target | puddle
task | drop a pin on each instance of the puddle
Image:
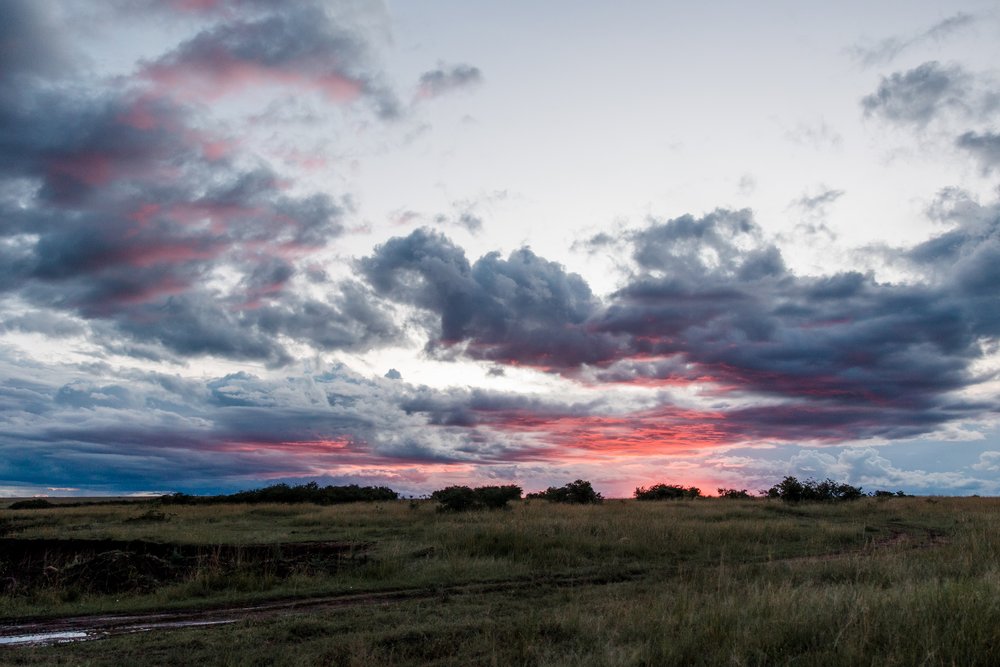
(175, 625)
(92, 633)
(41, 638)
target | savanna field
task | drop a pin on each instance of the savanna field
(439, 243)
(711, 581)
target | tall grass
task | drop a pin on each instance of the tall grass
(890, 582)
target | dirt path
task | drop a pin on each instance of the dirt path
(86, 628)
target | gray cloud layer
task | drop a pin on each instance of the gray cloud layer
(119, 207)
(127, 218)
(713, 301)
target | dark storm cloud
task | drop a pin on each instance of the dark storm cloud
(520, 309)
(918, 95)
(445, 80)
(887, 49)
(712, 302)
(716, 299)
(118, 206)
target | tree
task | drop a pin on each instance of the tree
(789, 489)
(881, 493)
(579, 491)
(310, 492)
(667, 492)
(455, 498)
(792, 490)
(463, 498)
(497, 497)
(733, 494)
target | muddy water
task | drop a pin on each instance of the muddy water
(42, 638)
(99, 631)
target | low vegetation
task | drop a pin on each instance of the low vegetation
(283, 493)
(667, 492)
(463, 498)
(700, 581)
(580, 492)
(734, 494)
(792, 490)
(31, 504)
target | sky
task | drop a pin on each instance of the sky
(420, 244)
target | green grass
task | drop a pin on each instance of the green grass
(901, 581)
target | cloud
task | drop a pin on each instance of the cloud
(136, 223)
(442, 80)
(817, 203)
(988, 462)
(711, 304)
(160, 431)
(120, 209)
(919, 95)
(523, 309)
(931, 92)
(295, 45)
(888, 49)
(868, 468)
(984, 146)
(26, 47)
(467, 214)
(51, 325)
(720, 245)
(716, 297)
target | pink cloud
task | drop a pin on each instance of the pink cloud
(170, 252)
(222, 74)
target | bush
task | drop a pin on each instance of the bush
(793, 490)
(462, 498)
(33, 504)
(666, 492)
(579, 491)
(283, 493)
(734, 494)
(888, 494)
(497, 497)
(455, 498)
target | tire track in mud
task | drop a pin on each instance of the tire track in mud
(90, 627)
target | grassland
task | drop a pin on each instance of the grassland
(899, 581)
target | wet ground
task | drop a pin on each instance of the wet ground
(42, 632)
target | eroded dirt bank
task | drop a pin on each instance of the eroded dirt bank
(120, 566)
